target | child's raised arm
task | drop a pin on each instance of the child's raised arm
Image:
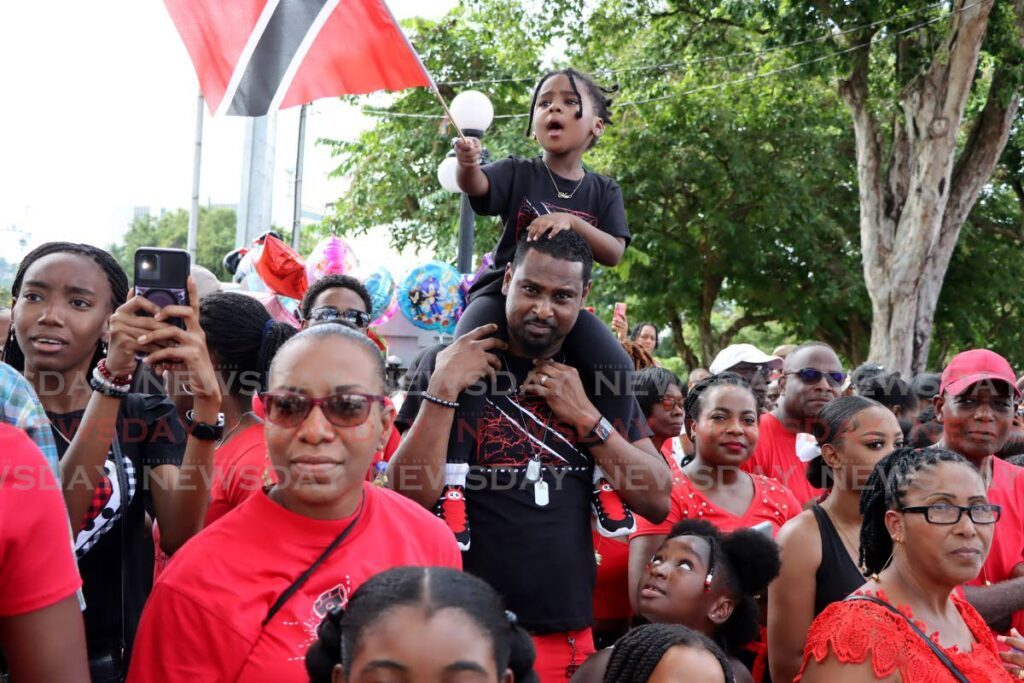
(471, 179)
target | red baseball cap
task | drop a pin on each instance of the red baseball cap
(970, 367)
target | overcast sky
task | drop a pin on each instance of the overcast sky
(98, 117)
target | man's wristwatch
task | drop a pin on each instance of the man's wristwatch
(601, 431)
(204, 431)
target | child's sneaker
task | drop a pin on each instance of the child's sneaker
(611, 516)
(451, 507)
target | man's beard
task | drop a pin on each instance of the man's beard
(532, 345)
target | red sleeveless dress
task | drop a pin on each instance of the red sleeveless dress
(852, 631)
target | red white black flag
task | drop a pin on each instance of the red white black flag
(255, 56)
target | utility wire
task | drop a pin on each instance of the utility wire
(724, 84)
(718, 58)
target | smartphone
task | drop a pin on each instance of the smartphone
(620, 310)
(161, 275)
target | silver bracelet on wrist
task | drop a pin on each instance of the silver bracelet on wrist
(440, 401)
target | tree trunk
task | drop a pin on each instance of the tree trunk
(675, 321)
(912, 207)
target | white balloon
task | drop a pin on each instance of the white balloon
(472, 110)
(446, 174)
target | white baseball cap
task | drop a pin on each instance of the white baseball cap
(735, 354)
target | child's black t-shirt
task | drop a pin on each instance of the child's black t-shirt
(521, 189)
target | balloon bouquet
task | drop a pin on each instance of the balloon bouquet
(431, 296)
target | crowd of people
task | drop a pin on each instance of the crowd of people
(198, 492)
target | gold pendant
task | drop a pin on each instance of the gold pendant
(564, 195)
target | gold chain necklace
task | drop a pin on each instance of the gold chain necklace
(827, 507)
(564, 195)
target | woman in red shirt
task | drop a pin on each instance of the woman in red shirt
(721, 420)
(927, 529)
(243, 601)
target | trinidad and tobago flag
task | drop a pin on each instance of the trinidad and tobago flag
(255, 56)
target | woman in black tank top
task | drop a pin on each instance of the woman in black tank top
(820, 546)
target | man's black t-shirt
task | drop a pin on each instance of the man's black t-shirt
(540, 558)
(521, 189)
(150, 434)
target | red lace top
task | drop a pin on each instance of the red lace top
(853, 630)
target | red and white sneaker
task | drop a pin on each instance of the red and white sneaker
(611, 516)
(452, 509)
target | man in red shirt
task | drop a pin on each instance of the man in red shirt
(41, 631)
(976, 404)
(811, 377)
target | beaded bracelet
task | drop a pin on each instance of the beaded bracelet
(113, 379)
(440, 401)
(104, 386)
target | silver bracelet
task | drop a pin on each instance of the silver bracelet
(440, 401)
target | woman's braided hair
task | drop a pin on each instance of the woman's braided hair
(12, 353)
(636, 654)
(884, 491)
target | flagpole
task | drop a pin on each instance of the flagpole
(297, 210)
(444, 105)
(193, 214)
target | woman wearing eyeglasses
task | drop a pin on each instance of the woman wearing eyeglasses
(243, 601)
(927, 528)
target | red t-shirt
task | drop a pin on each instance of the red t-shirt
(772, 503)
(238, 472)
(611, 590)
(775, 457)
(203, 619)
(1007, 551)
(37, 567)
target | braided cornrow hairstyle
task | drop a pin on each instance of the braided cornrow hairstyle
(884, 491)
(745, 561)
(695, 397)
(116, 277)
(598, 94)
(433, 589)
(243, 339)
(636, 654)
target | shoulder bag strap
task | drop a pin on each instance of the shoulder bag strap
(298, 583)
